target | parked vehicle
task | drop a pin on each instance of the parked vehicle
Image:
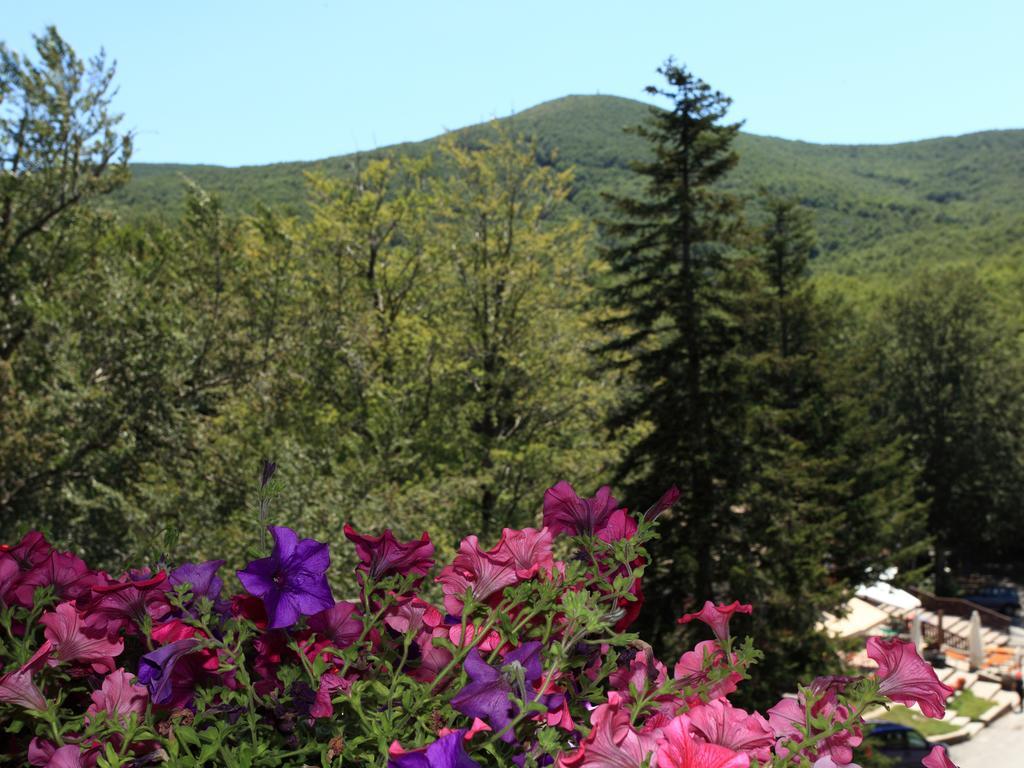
(1003, 599)
(902, 744)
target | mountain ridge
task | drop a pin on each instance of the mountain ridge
(878, 207)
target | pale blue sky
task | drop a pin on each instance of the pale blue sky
(255, 82)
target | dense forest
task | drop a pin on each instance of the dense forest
(819, 345)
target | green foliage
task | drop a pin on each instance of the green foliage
(67, 391)
(953, 385)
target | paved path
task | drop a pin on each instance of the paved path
(1001, 745)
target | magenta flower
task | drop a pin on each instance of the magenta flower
(719, 722)
(384, 555)
(620, 525)
(717, 617)
(447, 752)
(642, 671)
(71, 642)
(16, 563)
(119, 696)
(66, 573)
(565, 512)
(488, 695)
(125, 603)
(906, 678)
(678, 749)
(292, 582)
(30, 552)
(17, 688)
(330, 682)
(666, 502)
(10, 578)
(938, 758)
(340, 624)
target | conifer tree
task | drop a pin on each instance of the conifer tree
(789, 506)
(819, 512)
(674, 296)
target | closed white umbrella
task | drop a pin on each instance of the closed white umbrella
(916, 635)
(976, 651)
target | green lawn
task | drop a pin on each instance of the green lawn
(967, 704)
(925, 725)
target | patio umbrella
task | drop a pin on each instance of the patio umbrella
(976, 651)
(916, 636)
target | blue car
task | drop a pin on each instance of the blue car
(905, 746)
(1003, 599)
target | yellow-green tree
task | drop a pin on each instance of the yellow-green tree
(519, 302)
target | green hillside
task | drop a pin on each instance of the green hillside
(878, 209)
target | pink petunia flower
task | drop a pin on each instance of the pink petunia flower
(678, 749)
(48, 755)
(529, 550)
(788, 722)
(906, 678)
(485, 573)
(620, 525)
(938, 758)
(433, 658)
(412, 616)
(612, 742)
(693, 668)
(119, 696)
(718, 722)
(19, 561)
(10, 578)
(717, 617)
(72, 643)
(17, 688)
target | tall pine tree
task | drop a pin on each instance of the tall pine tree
(672, 292)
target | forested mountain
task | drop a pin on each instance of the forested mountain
(877, 209)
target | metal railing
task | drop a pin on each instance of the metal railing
(957, 606)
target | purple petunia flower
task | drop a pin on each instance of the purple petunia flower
(292, 582)
(203, 581)
(447, 752)
(488, 694)
(201, 577)
(156, 668)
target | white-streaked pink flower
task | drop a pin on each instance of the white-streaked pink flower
(906, 678)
